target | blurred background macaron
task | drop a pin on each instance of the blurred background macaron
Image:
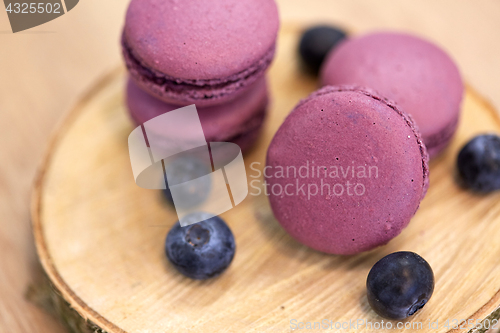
(238, 121)
(199, 52)
(346, 171)
(416, 74)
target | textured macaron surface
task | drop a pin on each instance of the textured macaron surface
(199, 39)
(346, 171)
(420, 77)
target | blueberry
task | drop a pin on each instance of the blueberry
(399, 285)
(479, 163)
(182, 170)
(201, 250)
(316, 43)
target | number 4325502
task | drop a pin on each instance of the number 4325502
(32, 8)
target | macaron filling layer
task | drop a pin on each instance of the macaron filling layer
(181, 91)
(237, 121)
(246, 139)
(242, 136)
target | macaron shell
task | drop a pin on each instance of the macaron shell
(344, 127)
(200, 92)
(201, 40)
(222, 123)
(421, 78)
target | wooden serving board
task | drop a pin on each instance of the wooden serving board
(100, 237)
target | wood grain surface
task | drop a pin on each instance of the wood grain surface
(43, 70)
(100, 237)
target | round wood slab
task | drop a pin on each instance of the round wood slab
(100, 236)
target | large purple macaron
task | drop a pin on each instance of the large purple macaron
(346, 171)
(199, 52)
(239, 120)
(420, 77)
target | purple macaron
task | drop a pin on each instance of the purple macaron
(199, 52)
(238, 121)
(346, 171)
(420, 77)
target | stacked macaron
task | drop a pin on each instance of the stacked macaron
(211, 54)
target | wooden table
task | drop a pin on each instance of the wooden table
(44, 70)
